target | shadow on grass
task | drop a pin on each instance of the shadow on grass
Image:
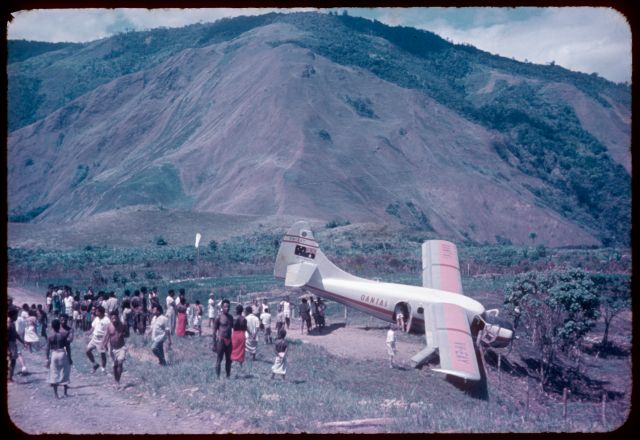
(245, 376)
(327, 329)
(607, 349)
(77, 387)
(474, 388)
(81, 394)
(507, 365)
(31, 381)
(560, 376)
(375, 327)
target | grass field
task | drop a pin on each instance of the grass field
(321, 389)
(326, 393)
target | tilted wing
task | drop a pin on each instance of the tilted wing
(455, 344)
(440, 266)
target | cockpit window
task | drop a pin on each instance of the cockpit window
(494, 320)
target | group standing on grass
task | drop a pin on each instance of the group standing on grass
(107, 321)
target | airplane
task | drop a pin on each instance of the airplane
(451, 321)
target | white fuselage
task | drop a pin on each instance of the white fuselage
(379, 298)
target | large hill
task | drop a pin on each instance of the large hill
(317, 116)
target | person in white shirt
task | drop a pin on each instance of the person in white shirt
(160, 330)
(111, 303)
(286, 309)
(211, 310)
(400, 319)
(265, 319)
(171, 312)
(98, 329)
(391, 346)
(68, 304)
(20, 325)
(253, 324)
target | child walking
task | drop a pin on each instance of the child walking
(391, 346)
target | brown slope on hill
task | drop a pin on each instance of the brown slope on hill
(258, 126)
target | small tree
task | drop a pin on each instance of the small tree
(615, 294)
(557, 309)
(213, 245)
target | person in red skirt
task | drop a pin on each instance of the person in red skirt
(181, 318)
(238, 336)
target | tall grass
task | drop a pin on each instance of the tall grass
(321, 388)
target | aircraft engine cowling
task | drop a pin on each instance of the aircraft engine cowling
(496, 332)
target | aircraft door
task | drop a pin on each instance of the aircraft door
(402, 316)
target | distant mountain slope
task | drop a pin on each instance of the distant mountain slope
(324, 117)
(52, 80)
(21, 50)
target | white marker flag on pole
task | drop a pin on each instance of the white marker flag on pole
(197, 239)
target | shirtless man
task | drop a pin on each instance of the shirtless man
(114, 337)
(14, 337)
(222, 338)
(64, 326)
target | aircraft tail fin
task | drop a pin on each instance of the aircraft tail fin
(299, 248)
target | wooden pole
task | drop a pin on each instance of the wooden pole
(564, 405)
(604, 409)
(198, 261)
(526, 403)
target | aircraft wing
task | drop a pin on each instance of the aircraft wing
(455, 344)
(440, 266)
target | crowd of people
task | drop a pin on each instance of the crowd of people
(107, 320)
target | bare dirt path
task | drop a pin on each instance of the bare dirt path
(358, 341)
(95, 406)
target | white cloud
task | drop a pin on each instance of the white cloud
(82, 25)
(584, 39)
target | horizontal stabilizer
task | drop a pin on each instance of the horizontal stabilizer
(299, 274)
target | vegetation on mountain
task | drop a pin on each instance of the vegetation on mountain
(75, 69)
(20, 50)
(537, 135)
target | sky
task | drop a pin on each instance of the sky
(583, 39)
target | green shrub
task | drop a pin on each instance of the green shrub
(336, 223)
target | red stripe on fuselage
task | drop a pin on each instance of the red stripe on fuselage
(377, 310)
(300, 240)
